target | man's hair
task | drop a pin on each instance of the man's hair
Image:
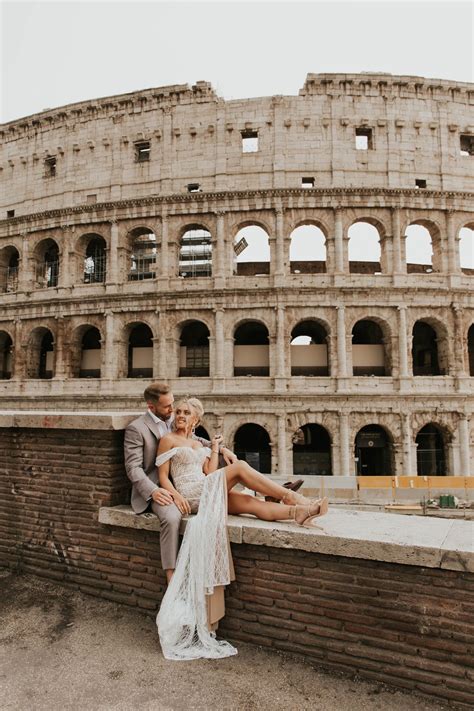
(155, 390)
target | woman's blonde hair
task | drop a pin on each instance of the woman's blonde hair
(195, 405)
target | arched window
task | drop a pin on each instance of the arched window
(373, 452)
(419, 249)
(46, 360)
(95, 264)
(430, 451)
(90, 354)
(140, 352)
(47, 264)
(40, 354)
(470, 349)
(312, 451)
(9, 263)
(252, 251)
(252, 444)
(195, 253)
(309, 351)
(368, 351)
(251, 349)
(194, 350)
(425, 350)
(6, 348)
(466, 249)
(364, 249)
(307, 250)
(143, 250)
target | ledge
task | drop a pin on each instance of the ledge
(404, 540)
(64, 420)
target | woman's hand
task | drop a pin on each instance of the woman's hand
(215, 443)
(182, 504)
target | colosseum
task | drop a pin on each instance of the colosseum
(304, 264)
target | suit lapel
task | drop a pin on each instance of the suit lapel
(152, 426)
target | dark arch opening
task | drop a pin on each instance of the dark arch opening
(6, 349)
(425, 350)
(252, 444)
(251, 349)
(309, 352)
(312, 451)
(194, 350)
(373, 452)
(202, 432)
(195, 252)
(95, 262)
(9, 265)
(47, 270)
(140, 352)
(143, 246)
(368, 350)
(430, 451)
(90, 354)
(46, 356)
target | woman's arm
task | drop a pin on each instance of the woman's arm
(212, 463)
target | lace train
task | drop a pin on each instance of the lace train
(203, 563)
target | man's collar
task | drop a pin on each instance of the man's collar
(157, 420)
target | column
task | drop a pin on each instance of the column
(218, 268)
(345, 461)
(280, 343)
(219, 341)
(402, 341)
(279, 256)
(162, 349)
(59, 350)
(453, 246)
(110, 355)
(281, 439)
(64, 268)
(341, 342)
(399, 264)
(464, 446)
(458, 352)
(407, 448)
(164, 248)
(338, 241)
(112, 262)
(18, 370)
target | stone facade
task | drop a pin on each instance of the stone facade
(99, 198)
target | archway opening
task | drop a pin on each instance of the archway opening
(419, 249)
(364, 249)
(430, 451)
(309, 351)
(252, 251)
(47, 264)
(251, 349)
(373, 452)
(425, 350)
(90, 354)
(202, 432)
(368, 350)
(95, 261)
(143, 250)
(312, 451)
(9, 265)
(140, 352)
(195, 253)
(194, 350)
(307, 250)
(6, 350)
(252, 444)
(466, 250)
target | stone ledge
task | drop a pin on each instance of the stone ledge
(67, 420)
(405, 540)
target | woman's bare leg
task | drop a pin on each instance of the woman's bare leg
(242, 473)
(264, 510)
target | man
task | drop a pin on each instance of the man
(140, 445)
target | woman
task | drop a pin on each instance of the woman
(204, 561)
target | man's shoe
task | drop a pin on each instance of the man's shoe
(291, 485)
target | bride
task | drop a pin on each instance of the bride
(204, 563)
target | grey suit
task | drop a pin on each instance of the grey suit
(141, 441)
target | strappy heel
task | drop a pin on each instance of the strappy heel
(304, 515)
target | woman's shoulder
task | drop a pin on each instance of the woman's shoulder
(167, 442)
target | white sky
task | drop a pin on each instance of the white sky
(63, 51)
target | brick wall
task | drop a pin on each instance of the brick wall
(406, 625)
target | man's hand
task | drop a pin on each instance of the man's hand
(162, 497)
(182, 503)
(229, 457)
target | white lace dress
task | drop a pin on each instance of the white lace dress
(203, 561)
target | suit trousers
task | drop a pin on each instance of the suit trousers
(170, 519)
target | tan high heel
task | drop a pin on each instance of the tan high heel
(294, 499)
(305, 514)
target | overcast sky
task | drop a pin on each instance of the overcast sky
(54, 53)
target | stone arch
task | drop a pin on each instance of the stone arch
(252, 251)
(365, 245)
(138, 337)
(466, 247)
(90, 362)
(371, 347)
(195, 251)
(312, 445)
(194, 349)
(418, 243)
(47, 263)
(6, 355)
(374, 451)
(9, 268)
(40, 353)
(431, 442)
(252, 444)
(308, 250)
(142, 250)
(310, 356)
(430, 347)
(92, 251)
(251, 348)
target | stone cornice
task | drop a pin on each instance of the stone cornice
(202, 198)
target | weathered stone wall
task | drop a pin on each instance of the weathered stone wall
(410, 625)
